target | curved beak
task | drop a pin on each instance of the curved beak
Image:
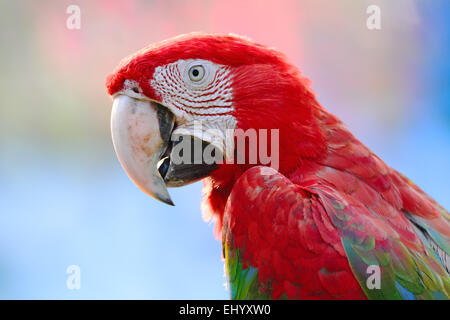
(141, 131)
(154, 153)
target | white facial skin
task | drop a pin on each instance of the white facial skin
(207, 100)
(194, 88)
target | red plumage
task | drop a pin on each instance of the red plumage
(290, 224)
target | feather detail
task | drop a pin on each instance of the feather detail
(315, 242)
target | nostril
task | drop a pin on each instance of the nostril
(135, 90)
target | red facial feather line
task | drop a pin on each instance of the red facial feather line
(201, 114)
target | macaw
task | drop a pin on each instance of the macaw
(330, 221)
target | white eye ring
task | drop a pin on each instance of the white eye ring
(196, 73)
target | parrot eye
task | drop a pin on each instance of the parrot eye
(196, 73)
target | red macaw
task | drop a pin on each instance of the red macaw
(324, 223)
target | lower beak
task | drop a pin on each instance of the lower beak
(141, 132)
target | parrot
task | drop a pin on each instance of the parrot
(325, 219)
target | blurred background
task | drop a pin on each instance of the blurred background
(65, 200)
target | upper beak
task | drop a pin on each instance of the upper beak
(141, 132)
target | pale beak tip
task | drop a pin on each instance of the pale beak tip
(168, 201)
(159, 193)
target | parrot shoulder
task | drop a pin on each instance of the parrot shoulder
(276, 238)
(312, 240)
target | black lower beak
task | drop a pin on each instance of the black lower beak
(185, 161)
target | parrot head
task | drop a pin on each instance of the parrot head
(203, 89)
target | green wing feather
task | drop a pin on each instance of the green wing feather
(407, 272)
(243, 281)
